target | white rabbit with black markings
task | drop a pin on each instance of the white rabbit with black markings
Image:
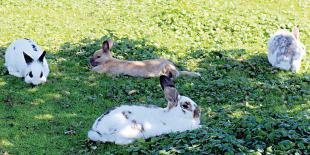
(285, 51)
(125, 124)
(24, 58)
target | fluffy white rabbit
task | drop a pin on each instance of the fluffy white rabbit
(24, 58)
(285, 50)
(124, 124)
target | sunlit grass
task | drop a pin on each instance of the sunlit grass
(6, 143)
(247, 106)
(44, 117)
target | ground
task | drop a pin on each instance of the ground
(247, 105)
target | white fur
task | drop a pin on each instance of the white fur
(285, 50)
(150, 121)
(17, 66)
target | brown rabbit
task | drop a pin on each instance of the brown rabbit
(103, 62)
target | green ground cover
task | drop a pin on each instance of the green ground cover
(247, 106)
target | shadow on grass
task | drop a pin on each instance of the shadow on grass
(234, 86)
(241, 95)
(248, 106)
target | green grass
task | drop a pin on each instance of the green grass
(247, 106)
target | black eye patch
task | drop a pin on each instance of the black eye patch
(41, 74)
(30, 74)
(186, 105)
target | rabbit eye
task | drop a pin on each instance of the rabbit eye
(41, 74)
(30, 74)
(185, 106)
(98, 56)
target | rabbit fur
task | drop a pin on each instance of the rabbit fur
(24, 58)
(285, 51)
(127, 123)
(103, 62)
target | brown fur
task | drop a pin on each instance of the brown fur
(103, 62)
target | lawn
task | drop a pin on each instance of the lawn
(247, 106)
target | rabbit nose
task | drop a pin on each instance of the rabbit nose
(93, 62)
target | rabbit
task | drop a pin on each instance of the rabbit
(124, 124)
(103, 62)
(24, 58)
(285, 50)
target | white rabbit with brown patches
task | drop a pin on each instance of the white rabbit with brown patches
(126, 123)
(24, 58)
(285, 51)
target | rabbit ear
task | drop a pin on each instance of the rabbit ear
(295, 32)
(27, 58)
(171, 94)
(42, 56)
(165, 81)
(106, 45)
